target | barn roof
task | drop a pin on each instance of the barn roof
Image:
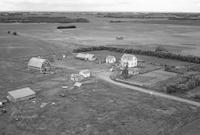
(128, 57)
(36, 62)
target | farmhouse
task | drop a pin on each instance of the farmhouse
(21, 94)
(129, 59)
(110, 59)
(40, 64)
(85, 73)
(87, 56)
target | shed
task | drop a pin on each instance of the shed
(21, 94)
(90, 57)
(85, 73)
(76, 77)
(40, 64)
(110, 59)
(129, 59)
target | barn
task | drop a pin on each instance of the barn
(129, 59)
(40, 64)
(110, 59)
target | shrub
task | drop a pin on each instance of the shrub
(15, 33)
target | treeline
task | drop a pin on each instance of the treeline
(159, 54)
(41, 19)
(67, 27)
(187, 82)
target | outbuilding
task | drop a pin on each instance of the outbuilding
(21, 94)
(85, 73)
(76, 77)
(40, 64)
(87, 56)
(129, 59)
(110, 59)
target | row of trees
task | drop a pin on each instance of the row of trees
(187, 83)
(159, 54)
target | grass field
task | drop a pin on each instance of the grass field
(97, 108)
(151, 78)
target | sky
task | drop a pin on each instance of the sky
(102, 5)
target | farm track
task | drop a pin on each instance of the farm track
(106, 77)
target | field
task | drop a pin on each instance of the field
(97, 108)
(151, 78)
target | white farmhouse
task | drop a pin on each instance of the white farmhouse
(129, 59)
(40, 64)
(110, 59)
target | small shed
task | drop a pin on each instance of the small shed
(21, 94)
(90, 57)
(129, 59)
(85, 73)
(110, 59)
(76, 77)
(40, 64)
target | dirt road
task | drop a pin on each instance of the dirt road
(106, 77)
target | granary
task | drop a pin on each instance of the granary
(21, 94)
(85, 73)
(40, 64)
(76, 77)
(129, 59)
(110, 59)
(87, 56)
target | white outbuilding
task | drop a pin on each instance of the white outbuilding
(129, 59)
(85, 73)
(40, 64)
(21, 94)
(87, 56)
(110, 59)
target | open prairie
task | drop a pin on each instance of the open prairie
(176, 38)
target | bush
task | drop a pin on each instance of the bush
(67, 27)
(15, 33)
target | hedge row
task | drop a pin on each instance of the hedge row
(159, 54)
(188, 83)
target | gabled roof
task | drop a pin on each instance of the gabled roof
(36, 62)
(110, 57)
(128, 57)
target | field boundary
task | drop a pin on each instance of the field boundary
(158, 54)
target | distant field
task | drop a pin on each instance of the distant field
(178, 38)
